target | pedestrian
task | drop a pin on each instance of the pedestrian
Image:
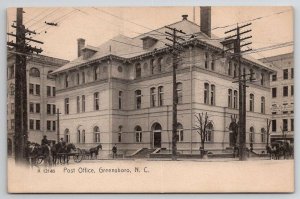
(45, 140)
(114, 150)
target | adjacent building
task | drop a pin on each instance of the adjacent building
(41, 91)
(121, 93)
(282, 96)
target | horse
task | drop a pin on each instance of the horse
(95, 150)
(60, 151)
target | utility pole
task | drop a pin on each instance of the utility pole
(236, 40)
(57, 119)
(21, 116)
(175, 55)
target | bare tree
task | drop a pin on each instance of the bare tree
(201, 126)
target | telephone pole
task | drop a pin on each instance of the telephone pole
(176, 48)
(21, 116)
(233, 42)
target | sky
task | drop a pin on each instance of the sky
(99, 24)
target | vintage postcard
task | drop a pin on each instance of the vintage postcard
(150, 99)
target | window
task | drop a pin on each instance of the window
(31, 107)
(262, 105)
(83, 136)
(274, 92)
(152, 97)
(138, 99)
(53, 91)
(138, 134)
(274, 77)
(12, 124)
(53, 109)
(251, 135)
(152, 66)
(179, 132)
(212, 94)
(212, 64)
(66, 106)
(159, 64)
(48, 109)
(292, 124)
(78, 104)
(229, 68)
(37, 125)
(31, 124)
(160, 96)
(83, 77)
(67, 81)
(209, 132)
(83, 103)
(285, 73)
(78, 79)
(251, 103)
(48, 125)
(263, 135)
(274, 113)
(285, 91)
(229, 98)
(96, 73)
(235, 99)
(96, 101)
(292, 73)
(34, 72)
(206, 60)
(96, 134)
(78, 136)
(37, 89)
(292, 90)
(48, 91)
(120, 134)
(206, 93)
(37, 108)
(12, 108)
(274, 126)
(12, 89)
(285, 125)
(138, 71)
(31, 89)
(262, 79)
(120, 100)
(179, 93)
(67, 136)
(53, 125)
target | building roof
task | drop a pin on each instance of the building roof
(127, 48)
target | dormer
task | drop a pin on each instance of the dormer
(148, 42)
(88, 52)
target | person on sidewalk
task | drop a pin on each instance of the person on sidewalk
(114, 150)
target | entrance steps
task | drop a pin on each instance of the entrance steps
(142, 153)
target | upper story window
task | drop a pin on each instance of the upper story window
(274, 77)
(152, 97)
(274, 92)
(251, 103)
(229, 98)
(285, 124)
(179, 93)
(285, 73)
(83, 77)
(77, 79)
(83, 103)
(159, 64)
(96, 73)
(229, 68)
(212, 63)
(235, 70)
(138, 99)
(160, 96)
(34, 72)
(78, 104)
(138, 71)
(206, 93)
(262, 79)
(285, 91)
(292, 90)
(67, 80)
(206, 60)
(96, 101)
(292, 73)
(152, 66)
(212, 94)
(235, 99)
(262, 105)
(66, 106)
(120, 99)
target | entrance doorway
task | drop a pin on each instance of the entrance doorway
(156, 130)
(233, 134)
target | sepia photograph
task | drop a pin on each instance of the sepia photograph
(173, 99)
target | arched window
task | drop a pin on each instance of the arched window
(160, 96)
(263, 135)
(96, 101)
(179, 132)
(67, 136)
(138, 99)
(262, 105)
(251, 135)
(96, 134)
(138, 134)
(212, 94)
(152, 97)
(179, 93)
(138, 71)
(206, 93)
(251, 103)
(34, 72)
(78, 136)
(229, 98)
(83, 136)
(235, 99)
(209, 132)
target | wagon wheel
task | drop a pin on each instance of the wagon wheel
(78, 156)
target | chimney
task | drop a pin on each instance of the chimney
(205, 20)
(184, 17)
(80, 46)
